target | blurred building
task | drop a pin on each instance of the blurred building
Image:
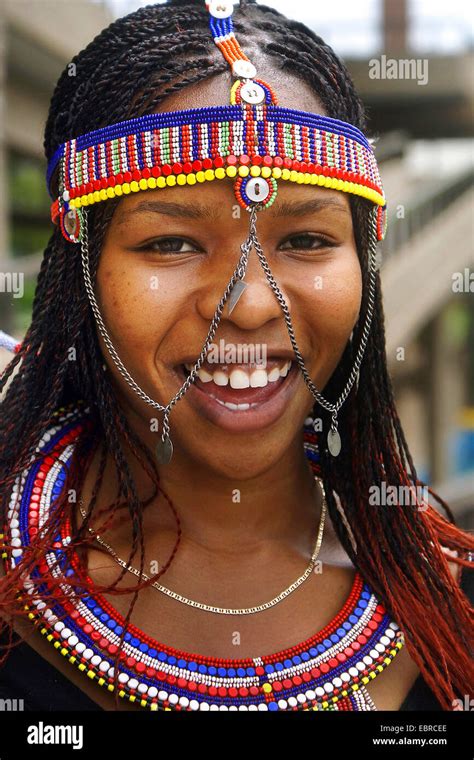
(37, 40)
(421, 111)
(425, 123)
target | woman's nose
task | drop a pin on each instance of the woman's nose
(256, 305)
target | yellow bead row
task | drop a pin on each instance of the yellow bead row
(233, 92)
(291, 175)
(82, 667)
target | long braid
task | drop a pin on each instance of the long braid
(126, 71)
(398, 551)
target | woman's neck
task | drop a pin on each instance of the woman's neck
(280, 503)
(222, 512)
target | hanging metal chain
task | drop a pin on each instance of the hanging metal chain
(165, 448)
(238, 274)
(329, 406)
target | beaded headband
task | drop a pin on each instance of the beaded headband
(253, 140)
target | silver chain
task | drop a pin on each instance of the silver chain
(241, 267)
(225, 610)
(330, 407)
(239, 274)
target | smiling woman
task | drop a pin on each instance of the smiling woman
(201, 405)
(311, 240)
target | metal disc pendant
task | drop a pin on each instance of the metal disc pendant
(257, 189)
(334, 442)
(70, 223)
(164, 451)
(253, 93)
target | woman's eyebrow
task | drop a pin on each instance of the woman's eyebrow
(310, 206)
(169, 208)
(211, 213)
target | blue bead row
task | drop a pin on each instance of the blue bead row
(220, 27)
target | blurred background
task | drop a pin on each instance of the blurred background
(413, 64)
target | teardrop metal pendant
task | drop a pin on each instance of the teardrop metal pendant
(164, 450)
(334, 442)
(235, 294)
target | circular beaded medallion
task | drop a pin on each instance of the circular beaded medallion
(250, 190)
(70, 223)
(328, 671)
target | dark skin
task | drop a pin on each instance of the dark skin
(231, 554)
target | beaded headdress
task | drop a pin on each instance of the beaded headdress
(254, 141)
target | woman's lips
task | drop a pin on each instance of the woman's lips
(255, 408)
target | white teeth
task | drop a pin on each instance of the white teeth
(235, 407)
(220, 378)
(238, 379)
(258, 378)
(274, 375)
(204, 376)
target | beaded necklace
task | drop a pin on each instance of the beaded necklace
(328, 671)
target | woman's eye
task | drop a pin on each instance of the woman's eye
(307, 242)
(169, 245)
(176, 245)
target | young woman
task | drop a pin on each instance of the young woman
(221, 552)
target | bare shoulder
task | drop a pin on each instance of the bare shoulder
(453, 566)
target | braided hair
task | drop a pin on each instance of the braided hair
(125, 72)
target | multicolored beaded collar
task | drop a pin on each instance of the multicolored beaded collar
(253, 140)
(329, 671)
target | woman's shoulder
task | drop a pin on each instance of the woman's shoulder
(461, 573)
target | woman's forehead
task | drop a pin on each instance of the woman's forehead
(290, 90)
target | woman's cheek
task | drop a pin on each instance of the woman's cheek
(330, 309)
(138, 306)
(341, 301)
